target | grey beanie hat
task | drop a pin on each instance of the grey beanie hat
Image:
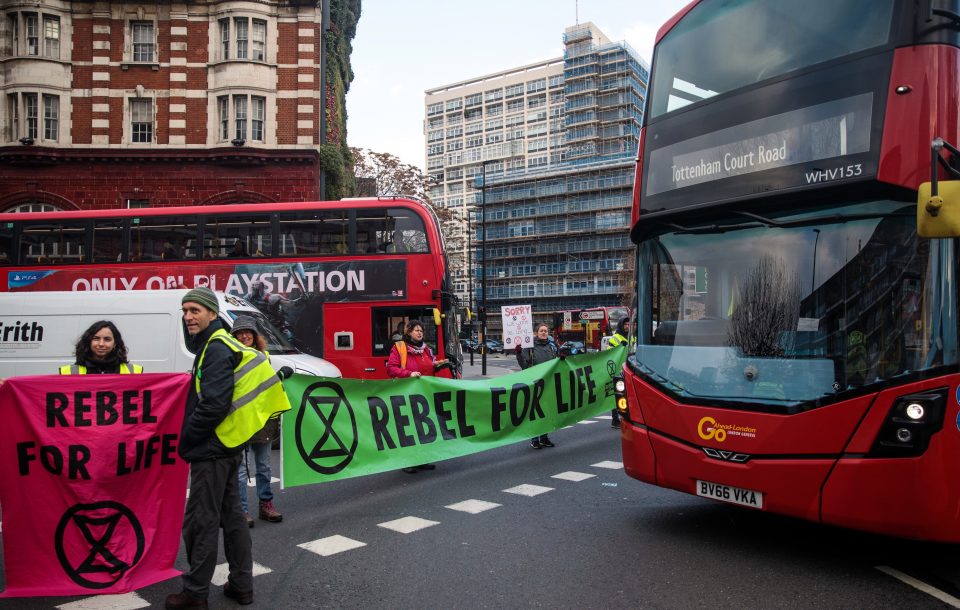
(203, 296)
(245, 323)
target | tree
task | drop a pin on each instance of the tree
(767, 305)
(382, 174)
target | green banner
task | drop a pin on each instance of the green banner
(341, 428)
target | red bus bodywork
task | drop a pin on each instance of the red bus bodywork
(814, 464)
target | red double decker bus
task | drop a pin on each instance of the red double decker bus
(797, 341)
(339, 278)
(588, 326)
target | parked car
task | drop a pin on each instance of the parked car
(572, 348)
(470, 345)
(494, 346)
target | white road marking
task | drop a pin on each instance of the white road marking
(126, 601)
(473, 506)
(920, 585)
(528, 490)
(587, 421)
(331, 545)
(223, 571)
(407, 525)
(571, 475)
(604, 417)
(253, 482)
(609, 465)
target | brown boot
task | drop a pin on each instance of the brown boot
(269, 513)
(183, 600)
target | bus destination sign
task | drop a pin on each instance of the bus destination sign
(834, 129)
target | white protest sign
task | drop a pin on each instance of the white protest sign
(517, 326)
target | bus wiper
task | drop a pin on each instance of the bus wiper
(821, 220)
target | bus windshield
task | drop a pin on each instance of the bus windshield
(722, 45)
(794, 308)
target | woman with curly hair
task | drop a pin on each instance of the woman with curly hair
(101, 350)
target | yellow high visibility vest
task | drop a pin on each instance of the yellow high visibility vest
(257, 392)
(125, 369)
(402, 350)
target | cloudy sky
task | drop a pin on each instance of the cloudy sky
(404, 48)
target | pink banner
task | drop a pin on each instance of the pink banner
(91, 486)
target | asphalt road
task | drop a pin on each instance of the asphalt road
(554, 528)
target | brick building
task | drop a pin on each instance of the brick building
(130, 104)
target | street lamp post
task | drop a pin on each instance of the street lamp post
(470, 274)
(483, 267)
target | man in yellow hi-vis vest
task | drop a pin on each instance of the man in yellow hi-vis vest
(214, 500)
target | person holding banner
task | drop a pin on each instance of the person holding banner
(258, 450)
(100, 350)
(411, 357)
(543, 350)
(214, 501)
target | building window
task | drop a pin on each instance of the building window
(30, 111)
(141, 120)
(223, 111)
(142, 34)
(51, 117)
(247, 111)
(32, 31)
(51, 37)
(133, 204)
(258, 113)
(259, 40)
(240, 116)
(224, 38)
(240, 24)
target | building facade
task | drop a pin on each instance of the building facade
(125, 104)
(554, 144)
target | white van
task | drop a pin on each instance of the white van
(39, 330)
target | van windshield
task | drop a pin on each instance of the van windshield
(277, 342)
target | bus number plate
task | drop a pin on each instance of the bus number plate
(733, 495)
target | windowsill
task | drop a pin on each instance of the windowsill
(153, 65)
(242, 61)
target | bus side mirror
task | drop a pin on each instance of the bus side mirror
(436, 316)
(939, 215)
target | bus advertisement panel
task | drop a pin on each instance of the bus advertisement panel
(796, 340)
(339, 279)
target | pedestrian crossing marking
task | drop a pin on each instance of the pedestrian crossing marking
(252, 482)
(609, 465)
(407, 525)
(604, 417)
(571, 475)
(331, 545)
(126, 601)
(528, 490)
(587, 422)
(223, 571)
(473, 506)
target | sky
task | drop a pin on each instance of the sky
(404, 48)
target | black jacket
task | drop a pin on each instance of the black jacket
(542, 351)
(198, 442)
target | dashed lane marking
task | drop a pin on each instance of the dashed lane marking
(528, 490)
(920, 585)
(223, 571)
(609, 465)
(252, 482)
(604, 417)
(407, 525)
(126, 601)
(331, 545)
(473, 506)
(571, 475)
(587, 421)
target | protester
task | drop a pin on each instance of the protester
(619, 338)
(259, 448)
(411, 357)
(100, 350)
(543, 350)
(214, 501)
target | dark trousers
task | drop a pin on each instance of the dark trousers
(214, 504)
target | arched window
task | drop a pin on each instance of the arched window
(32, 207)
